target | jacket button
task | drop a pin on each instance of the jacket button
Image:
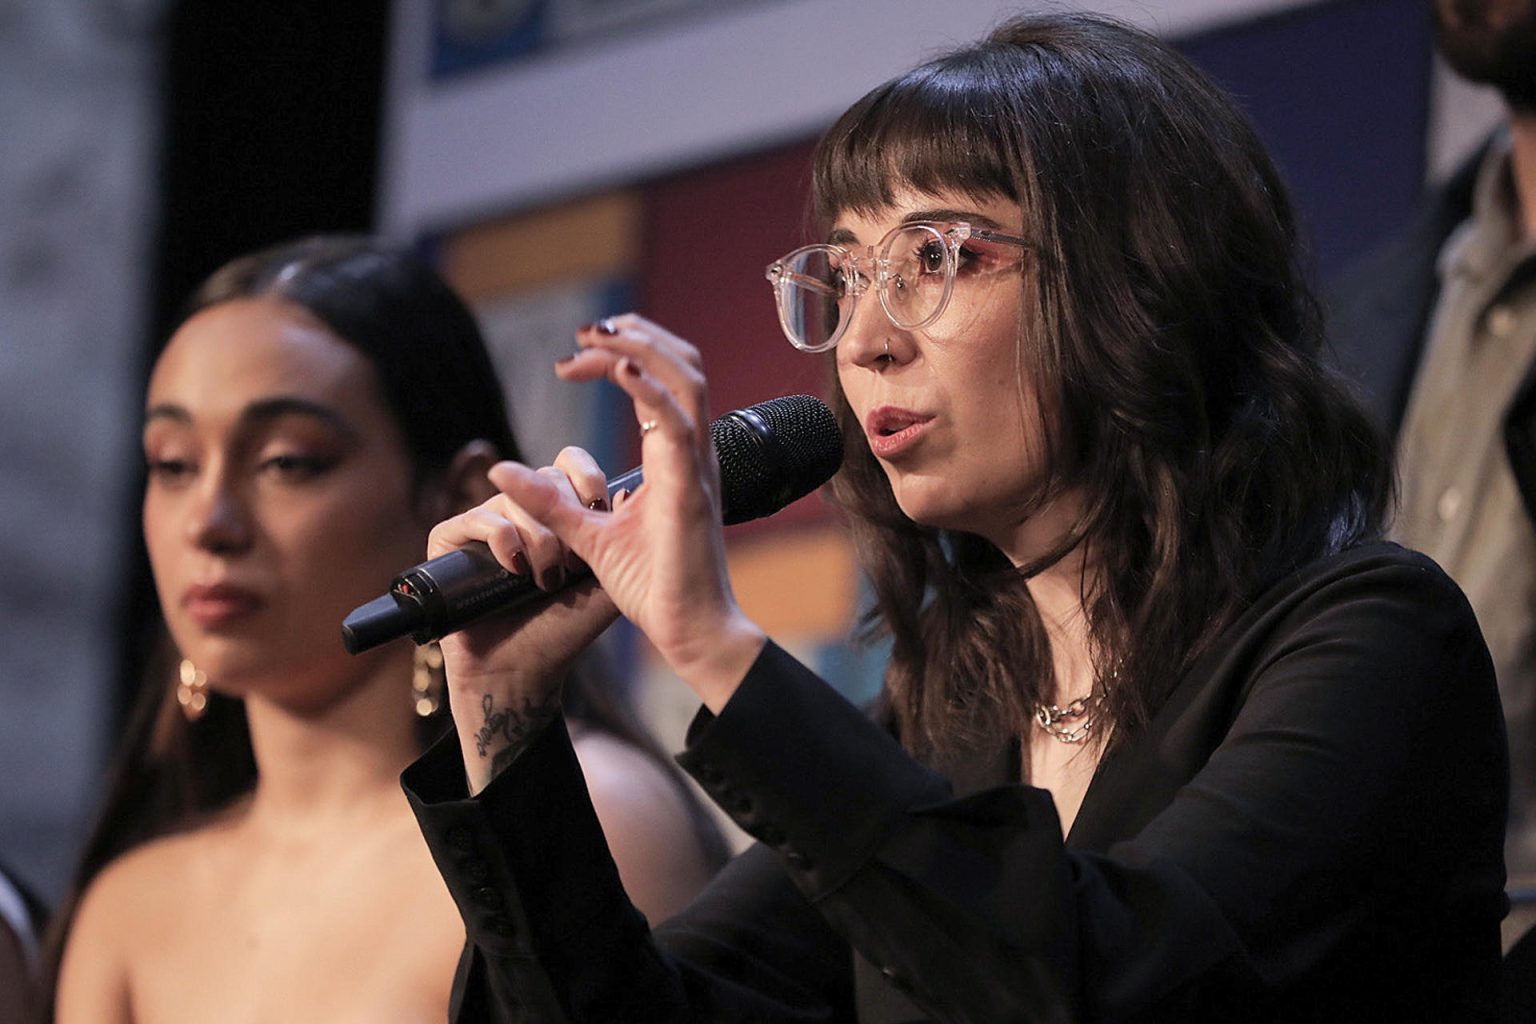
(488, 897)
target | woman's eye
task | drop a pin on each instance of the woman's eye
(168, 470)
(290, 466)
(930, 257)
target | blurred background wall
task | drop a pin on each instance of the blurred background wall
(560, 159)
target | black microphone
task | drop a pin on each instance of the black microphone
(770, 454)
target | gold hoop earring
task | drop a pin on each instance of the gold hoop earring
(192, 690)
(427, 679)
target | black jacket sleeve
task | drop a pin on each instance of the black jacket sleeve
(552, 936)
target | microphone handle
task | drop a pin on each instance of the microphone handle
(446, 593)
(769, 454)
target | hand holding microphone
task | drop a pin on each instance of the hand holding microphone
(770, 454)
(658, 555)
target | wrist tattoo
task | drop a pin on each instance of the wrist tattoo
(513, 723)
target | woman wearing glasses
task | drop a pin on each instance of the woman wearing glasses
(1167, 734)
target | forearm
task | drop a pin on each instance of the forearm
(494, 725)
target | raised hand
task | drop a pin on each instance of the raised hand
(658, 555)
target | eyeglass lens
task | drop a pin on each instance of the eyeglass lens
(816, 293)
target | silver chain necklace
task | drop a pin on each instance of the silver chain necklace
(1079, 716)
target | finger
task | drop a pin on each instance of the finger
(668, 359)
(690, 456)
(656, 407)
(551, 560)
(542, 500)
(482, 524)
(584, 365)
(585, 476)
(506, 542)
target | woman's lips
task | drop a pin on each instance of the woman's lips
(219, 604)
(892, 430)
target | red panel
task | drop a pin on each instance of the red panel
(708, 236)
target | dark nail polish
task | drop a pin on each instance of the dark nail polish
(566, 359)
(607, 326)
(598, 504)
(592, 326)
(519, 563)
(631, 367)
(622, 494)
(552, 578)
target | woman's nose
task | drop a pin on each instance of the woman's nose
(219, 521)
(870, 340)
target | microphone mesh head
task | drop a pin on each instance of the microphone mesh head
(774, 452)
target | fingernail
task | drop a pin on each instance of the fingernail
(592, 326)
(606, 326)
(552, 578)
(629, 366)
(566, 359)
(619, 496)
(598, 504)
(519, 563)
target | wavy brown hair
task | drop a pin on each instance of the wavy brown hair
(1170, 340)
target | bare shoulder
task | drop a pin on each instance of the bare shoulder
(646, 822)
(130, 883)
(119, 913)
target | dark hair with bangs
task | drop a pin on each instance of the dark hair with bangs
(1170, 337)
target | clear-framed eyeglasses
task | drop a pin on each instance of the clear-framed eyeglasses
(916, 269)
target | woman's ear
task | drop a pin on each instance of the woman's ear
(463, 484)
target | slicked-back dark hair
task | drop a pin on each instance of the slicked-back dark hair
(421, 340)
(1169, 337)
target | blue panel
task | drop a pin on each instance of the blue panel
(467, 36)
(1340, 94)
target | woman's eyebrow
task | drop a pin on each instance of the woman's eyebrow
(166, 411)
(268, 409)
(844, 237)
(263, 411)
(949, 214)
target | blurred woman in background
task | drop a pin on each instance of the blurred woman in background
(322, 404)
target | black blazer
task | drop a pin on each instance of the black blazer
(1309, 829)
